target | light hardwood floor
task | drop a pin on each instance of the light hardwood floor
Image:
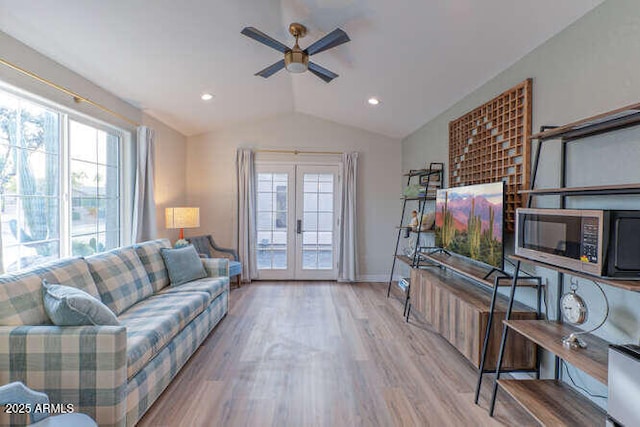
(325, 354)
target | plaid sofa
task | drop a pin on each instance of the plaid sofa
(112, 373)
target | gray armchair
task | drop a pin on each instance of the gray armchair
(206, 247)
(36, 404)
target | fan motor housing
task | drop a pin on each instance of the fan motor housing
(296, 60)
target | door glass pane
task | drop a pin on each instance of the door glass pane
(272, 209)
(281, 177)
(317, 239)
(326, 187)
(325, 202)
(310, 220)
(265, 201)
(325, 221)
(264, 222)
(309, 258)
(310, 202)
(310, 187)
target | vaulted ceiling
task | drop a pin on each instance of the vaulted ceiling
(418, 57)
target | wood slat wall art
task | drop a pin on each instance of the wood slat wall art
(491, 143)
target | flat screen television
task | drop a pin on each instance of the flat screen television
(469, 222)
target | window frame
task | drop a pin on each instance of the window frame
(68, 191)
(65, 198)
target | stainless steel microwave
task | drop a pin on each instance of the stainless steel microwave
(598, 242)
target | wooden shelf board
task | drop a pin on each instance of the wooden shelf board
(593, 360)
(599, 123)
(419, 198)
(553, 403)
(409, 261)
(415, 232)
(471, 270)
(423, 172)
(474, 295)
(629, 285)
(595, 189)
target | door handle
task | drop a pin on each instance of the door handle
(299, 226)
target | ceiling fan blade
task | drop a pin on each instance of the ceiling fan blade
(322, 72)
(271, 69)
(261, 37)
(333, 39)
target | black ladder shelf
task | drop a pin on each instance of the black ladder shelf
(431, 179)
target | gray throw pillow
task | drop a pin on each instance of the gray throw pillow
(183, 264)
(68, 306)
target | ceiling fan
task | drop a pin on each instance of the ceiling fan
(295, 59)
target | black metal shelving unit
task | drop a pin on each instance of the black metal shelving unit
(432, 179)
(607, 122)
(537, 283)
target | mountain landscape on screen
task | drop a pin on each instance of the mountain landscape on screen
(469, 222)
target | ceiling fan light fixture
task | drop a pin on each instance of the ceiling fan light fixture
(373, 101)
(206, 97)
(296, 61)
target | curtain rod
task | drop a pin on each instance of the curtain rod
(296, 152)
(77, 98)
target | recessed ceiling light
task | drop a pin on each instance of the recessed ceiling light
(373, 101)
(206, 97)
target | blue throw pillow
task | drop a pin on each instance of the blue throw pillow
(68, 306)
(183, 264)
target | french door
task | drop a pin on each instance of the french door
(297, 221)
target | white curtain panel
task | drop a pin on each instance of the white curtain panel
(144, 205)
(246, 177)
(348, 248)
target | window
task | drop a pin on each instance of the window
(46, 153)
(95, 213)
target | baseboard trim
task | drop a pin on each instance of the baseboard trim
(377, 278)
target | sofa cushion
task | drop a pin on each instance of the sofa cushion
(67, 306)
(120, 278)
(149, 253)
(183, 264)
(152, 323)
(21, 293)
(212, 286)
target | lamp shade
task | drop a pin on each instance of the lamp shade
(182, 217)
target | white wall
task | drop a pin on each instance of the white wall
(590, 67)
(170, 145)
(212, 181)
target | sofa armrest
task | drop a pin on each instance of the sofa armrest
(85, 366)
(216, 267)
